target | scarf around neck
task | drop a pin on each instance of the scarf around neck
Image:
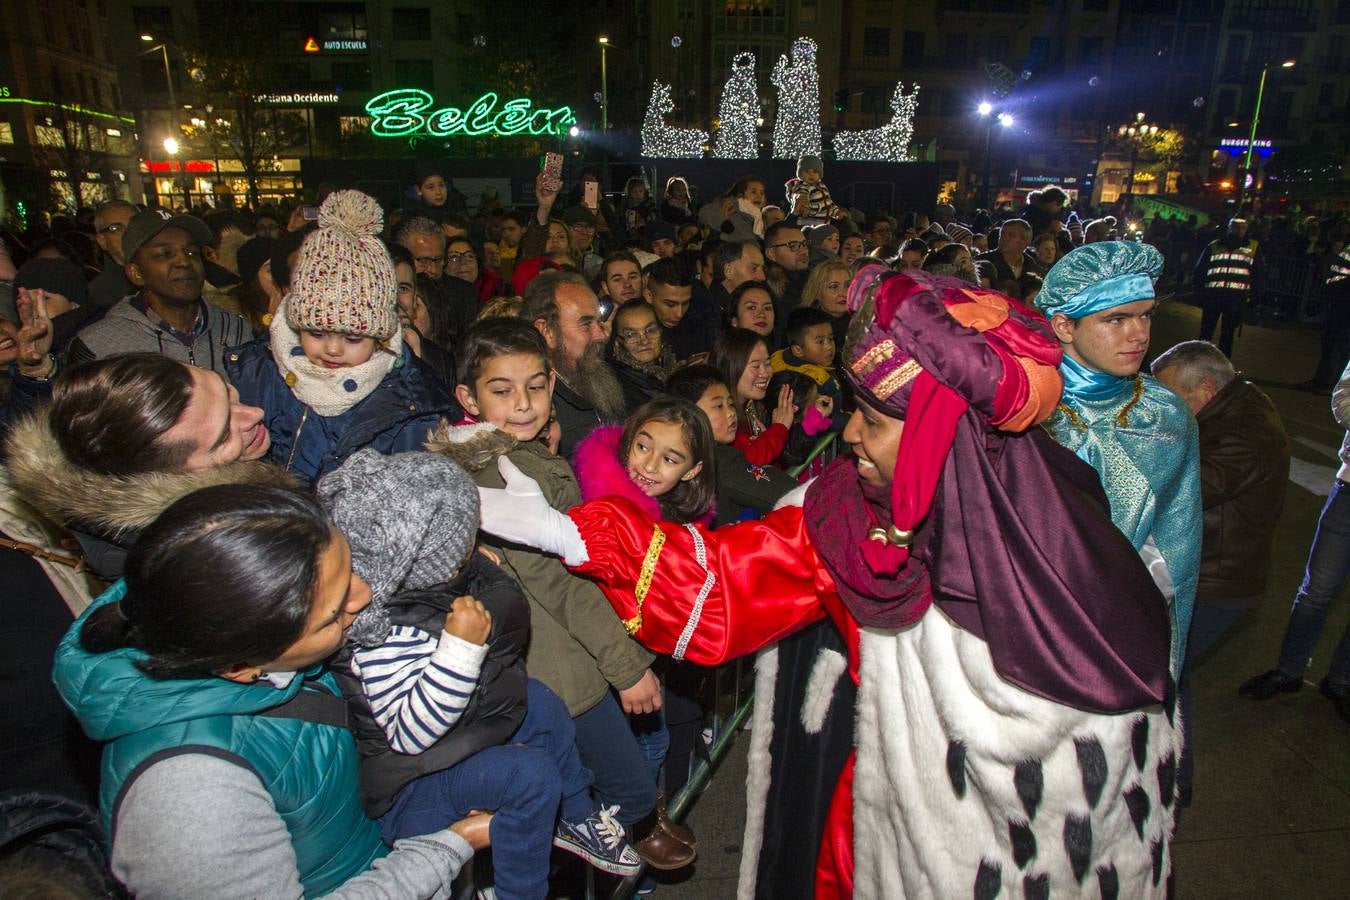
(329, 392)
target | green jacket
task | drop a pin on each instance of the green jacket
(578, 646)
(308, 768)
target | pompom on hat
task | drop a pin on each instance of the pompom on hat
(926, 348)
(1100, 276)
(344, 280)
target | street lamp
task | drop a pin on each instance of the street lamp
(1251, 138)
(1004, 119)
(604, 84)
(163, 49)
(1134, 132)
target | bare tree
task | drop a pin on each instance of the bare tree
(234, 69)
(74, 145)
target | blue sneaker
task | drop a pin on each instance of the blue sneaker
(599, 839)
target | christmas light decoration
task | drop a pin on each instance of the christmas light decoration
(663, 141)
(407, 113)
(890, 142)
(796, 130)
(738, 138)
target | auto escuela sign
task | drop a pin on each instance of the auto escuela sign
(408, 112)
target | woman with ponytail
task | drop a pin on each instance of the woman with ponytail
(228, 769)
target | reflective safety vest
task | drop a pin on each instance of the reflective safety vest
(1340, 268)
(1230, 270)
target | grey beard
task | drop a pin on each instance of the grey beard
(592, 378)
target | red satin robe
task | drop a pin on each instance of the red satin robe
(760, 582)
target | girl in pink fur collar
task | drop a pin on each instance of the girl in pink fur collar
(661, 459)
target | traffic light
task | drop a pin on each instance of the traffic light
(841, 100)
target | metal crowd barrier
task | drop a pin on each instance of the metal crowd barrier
(730, 710)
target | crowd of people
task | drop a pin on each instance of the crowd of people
(363, 539)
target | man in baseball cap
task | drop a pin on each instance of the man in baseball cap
(167, 314)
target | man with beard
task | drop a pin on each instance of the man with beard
(1227, 273)
(567, 313)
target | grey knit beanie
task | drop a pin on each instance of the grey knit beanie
(411, 519)
(810, 162)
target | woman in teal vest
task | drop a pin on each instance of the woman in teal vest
(228, 770)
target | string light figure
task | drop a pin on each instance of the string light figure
(662, 140)
(796, 130)
(890, 142)
(738, 137)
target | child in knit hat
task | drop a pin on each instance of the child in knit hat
(333, 375)
(434, 673)
(807, 195)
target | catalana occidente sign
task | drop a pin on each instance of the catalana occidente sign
(408, 112)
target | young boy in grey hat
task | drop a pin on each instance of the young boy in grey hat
(434, 674)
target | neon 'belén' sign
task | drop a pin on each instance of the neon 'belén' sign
(407, 112)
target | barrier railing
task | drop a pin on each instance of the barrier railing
(729, 712)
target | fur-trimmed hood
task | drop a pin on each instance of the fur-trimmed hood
(112, 506)
(474, 445)
(601, 474)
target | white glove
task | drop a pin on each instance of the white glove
(520, 514)
(794, 497)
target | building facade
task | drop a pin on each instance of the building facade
(66, 139)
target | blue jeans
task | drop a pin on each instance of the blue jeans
(1328, 565)
(622, 775)
(653, 739)
(520, 782)
(1208, 624)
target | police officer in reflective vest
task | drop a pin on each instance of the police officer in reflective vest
(1335, 325)
(1226, 274)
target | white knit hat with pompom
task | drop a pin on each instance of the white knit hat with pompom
(344, 280)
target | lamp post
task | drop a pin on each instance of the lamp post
(604, 83)
(1251, 138)
(1004, 119)
(1135, 132)
(163, 49)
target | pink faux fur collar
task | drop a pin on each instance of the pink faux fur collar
(600, 474)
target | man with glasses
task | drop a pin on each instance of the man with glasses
(110, 221)
(786, 268)
(425, 240)
(582, 223)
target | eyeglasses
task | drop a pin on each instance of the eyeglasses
(791, 245)
(429, 260)
(582, 226)
(632, 334)
(455, 259)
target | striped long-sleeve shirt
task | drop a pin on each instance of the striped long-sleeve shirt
(418, 685)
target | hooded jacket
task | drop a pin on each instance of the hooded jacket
(578, 647)
(106, 512)
(496, 708)
(128, 329)
(397, 416)
(309, 769)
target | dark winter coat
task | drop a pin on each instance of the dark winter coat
(1244, 468)
(106, 513)
(396, 417)
(496, 708)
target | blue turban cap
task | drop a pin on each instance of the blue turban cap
(1100, 276)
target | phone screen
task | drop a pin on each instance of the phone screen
(310, 213)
